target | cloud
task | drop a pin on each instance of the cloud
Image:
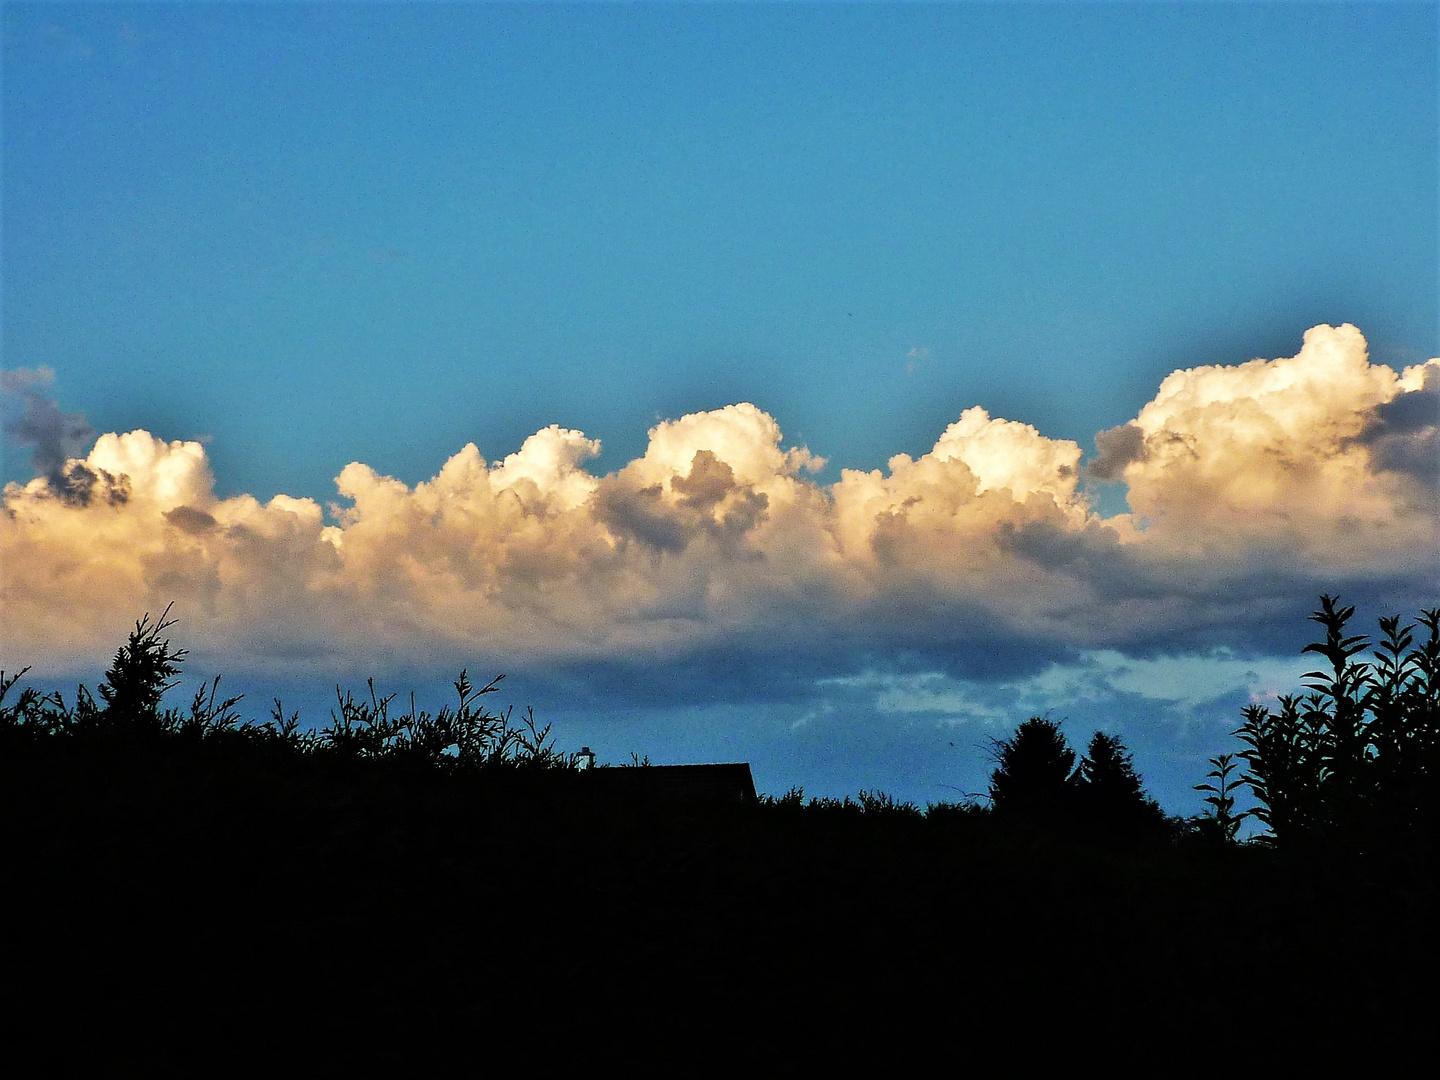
(1189, 681)
(54, 438)
(1266, 461)
(1092, 676)
(1404, 435)
(1115, 448)
(715, 565)
(23, 380)
(926, 693)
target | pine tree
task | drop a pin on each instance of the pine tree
(144, 668)
(1035, 777)
(1112, 795)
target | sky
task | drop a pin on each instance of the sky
(824, 386)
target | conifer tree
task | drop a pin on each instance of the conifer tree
(1112, 795)
(1035, 776)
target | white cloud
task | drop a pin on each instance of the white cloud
(928, 693)
(1269, 456)
(1251, 485)
(1195, 679)
(548, 469)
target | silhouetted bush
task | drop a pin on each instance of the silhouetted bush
(1354, 762)
(405, 891)
(462, 739)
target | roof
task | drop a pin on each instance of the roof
(729, 782)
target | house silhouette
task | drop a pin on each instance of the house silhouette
(729, 782)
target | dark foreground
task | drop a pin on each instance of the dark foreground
(181, 911)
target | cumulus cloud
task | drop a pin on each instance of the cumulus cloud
(715, 562)
(1270, 457)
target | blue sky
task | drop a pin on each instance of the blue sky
(309, 235)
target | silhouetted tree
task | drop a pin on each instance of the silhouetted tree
(1111, 794)
(144, 668)
(1035, 776)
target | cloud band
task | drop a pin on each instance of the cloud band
(1250, 487)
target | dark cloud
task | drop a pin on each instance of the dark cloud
(1416, 409)
(1263, 612)
(1405, 434)
(769, 669)
(710, 480)
(957, 638)
(748, 511)
(24, 380)
(644, 514)
(640, 514)
(1053, 547)
(80, 485)
(190, 520)
(54, 436)
(1115, 448)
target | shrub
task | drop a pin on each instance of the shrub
(465, 737)
(144, 668)
(1356, 760)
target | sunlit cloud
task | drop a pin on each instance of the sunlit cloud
(1251, 488)
(1290, 455)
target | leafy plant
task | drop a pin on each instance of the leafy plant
(1222, 822)
(1356, 759)
(461, 738)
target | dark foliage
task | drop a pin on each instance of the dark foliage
(1355, 761)
(463, 739)
(444, 893)
(1111, 795)
(1036, 783)
(1035, 776)
(1222, 823)
(144, 668)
